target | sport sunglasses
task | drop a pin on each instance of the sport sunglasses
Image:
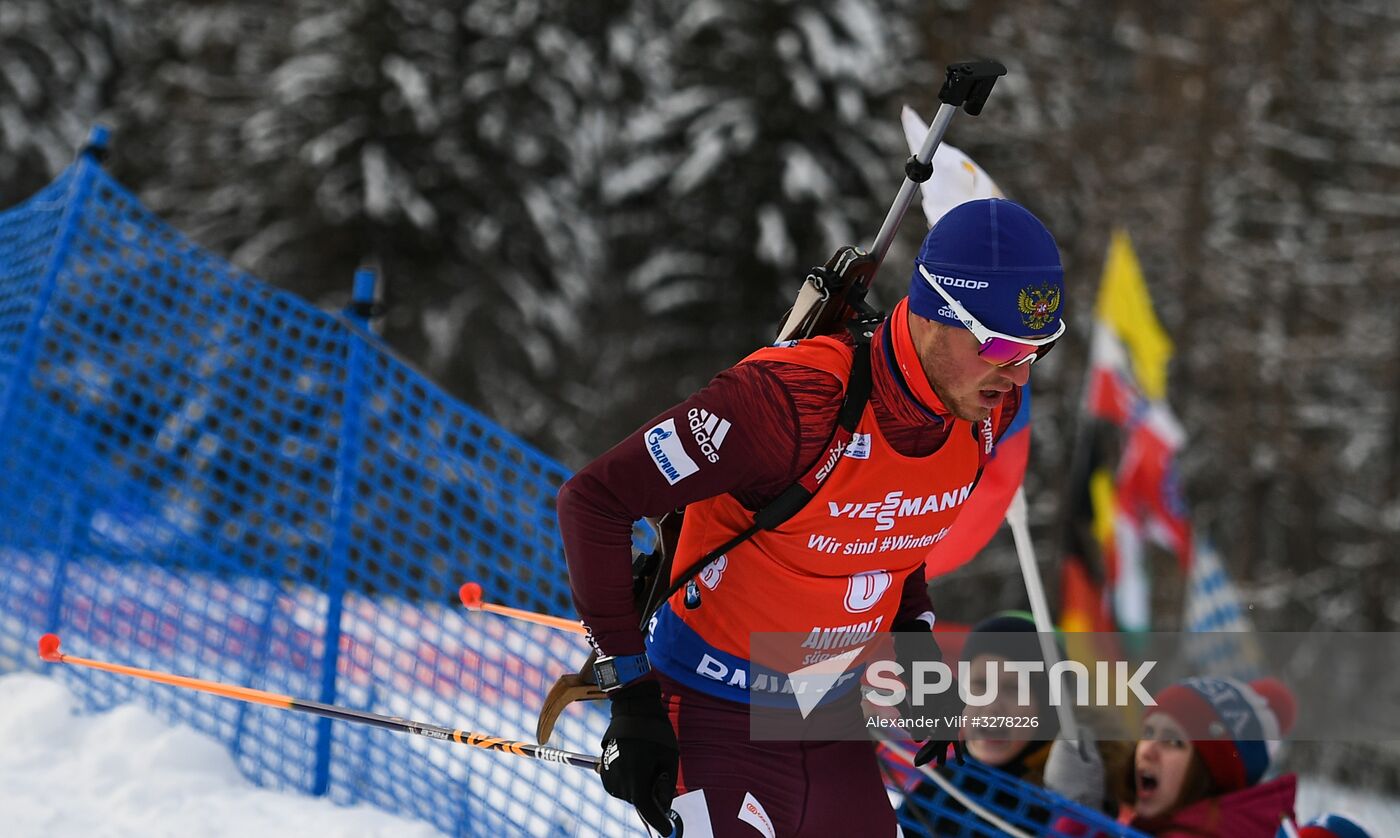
(997, 348)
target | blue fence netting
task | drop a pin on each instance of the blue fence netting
(926, 808)
(205, 475)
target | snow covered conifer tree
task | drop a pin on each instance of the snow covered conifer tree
(766, 137)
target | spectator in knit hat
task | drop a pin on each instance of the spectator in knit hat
(1198, 769)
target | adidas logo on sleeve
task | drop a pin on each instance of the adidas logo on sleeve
(709, 431)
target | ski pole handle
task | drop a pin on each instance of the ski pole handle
(967, 86)
(49, 651)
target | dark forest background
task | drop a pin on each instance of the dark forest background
(584, 209)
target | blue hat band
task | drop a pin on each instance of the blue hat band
(1241, 718)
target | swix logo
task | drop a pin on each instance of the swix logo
(709, 431)
(831, 457)
(988, 437)
(859, 449)
(959, 282)
(863, 590)
(895, 505)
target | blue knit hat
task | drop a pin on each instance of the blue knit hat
(1329, 826)
(999, 261)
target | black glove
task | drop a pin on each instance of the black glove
(913, 642)
(640, 754)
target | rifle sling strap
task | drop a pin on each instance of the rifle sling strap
(580, 686)
(792, 499)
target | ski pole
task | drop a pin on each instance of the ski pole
(49, 651)
(471, 595)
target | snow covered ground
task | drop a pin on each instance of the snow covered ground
(1379, 814)
(127, 773)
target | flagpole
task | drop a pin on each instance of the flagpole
(1017, 517)
(1081, 456)
(1025, 551)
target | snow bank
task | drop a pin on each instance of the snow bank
(125, 772)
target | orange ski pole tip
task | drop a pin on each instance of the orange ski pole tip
(471, 594)
(48, 648)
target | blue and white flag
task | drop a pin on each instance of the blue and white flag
(1213, 607)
